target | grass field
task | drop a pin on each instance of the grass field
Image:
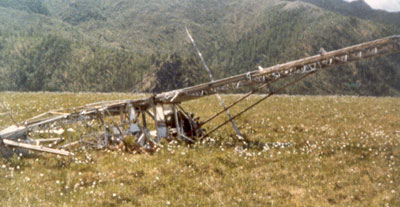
(344, 151)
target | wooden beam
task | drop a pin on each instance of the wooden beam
(70, 144)
(38, 141)
(37, 148)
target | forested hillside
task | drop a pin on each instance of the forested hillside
(141, 45)
(359, 9)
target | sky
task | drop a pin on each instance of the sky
(388, 5)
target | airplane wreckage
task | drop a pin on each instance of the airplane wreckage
(107, 124)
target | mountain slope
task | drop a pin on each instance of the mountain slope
(358, 9)
(141, 45)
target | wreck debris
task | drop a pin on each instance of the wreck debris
(171, 121)
(36, 147)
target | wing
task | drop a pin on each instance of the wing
(264, 75)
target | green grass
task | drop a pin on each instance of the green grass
(345, 152)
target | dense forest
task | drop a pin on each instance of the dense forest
(141, 45)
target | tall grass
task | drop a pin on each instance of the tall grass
(340, 151)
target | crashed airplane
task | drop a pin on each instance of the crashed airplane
(112, 121)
